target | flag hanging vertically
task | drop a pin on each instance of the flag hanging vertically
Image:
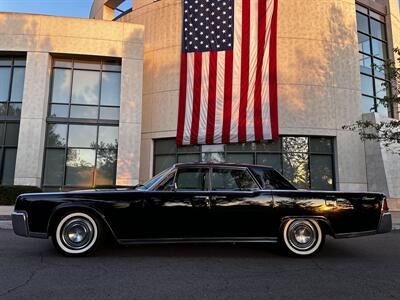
(228, 86)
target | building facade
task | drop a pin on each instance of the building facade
(95, 102)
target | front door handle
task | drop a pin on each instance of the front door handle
(202, 201)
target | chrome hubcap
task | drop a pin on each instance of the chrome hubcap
(302, 235)
(77, 233)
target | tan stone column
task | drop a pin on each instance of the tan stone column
(130, 122)
(29, 164)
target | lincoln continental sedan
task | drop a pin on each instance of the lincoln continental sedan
(198, 203)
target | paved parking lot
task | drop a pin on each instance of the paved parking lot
(362, 268)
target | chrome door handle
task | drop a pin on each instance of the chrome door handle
(201, 197)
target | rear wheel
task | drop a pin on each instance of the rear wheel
(77, 234)
(302, 237)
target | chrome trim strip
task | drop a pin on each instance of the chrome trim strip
(354, 234)
(198, 240)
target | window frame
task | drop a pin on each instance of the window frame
(101, 70)
(68, 121)
(375, 74)
(245, 169)
(7, 119)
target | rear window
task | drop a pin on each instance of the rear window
(224, 179)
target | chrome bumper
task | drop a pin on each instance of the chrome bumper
(385, 224)
(20, 223)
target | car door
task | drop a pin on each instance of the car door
(179, 207)
(239, 208)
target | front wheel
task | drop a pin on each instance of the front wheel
(77, 234)
(302, 237)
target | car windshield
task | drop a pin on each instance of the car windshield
(149, 183)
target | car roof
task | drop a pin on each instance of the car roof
(217, 164)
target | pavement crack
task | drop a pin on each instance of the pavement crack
(26, 282)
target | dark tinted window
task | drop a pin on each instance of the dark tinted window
(275, 181)
(192, 179)
(232, 179)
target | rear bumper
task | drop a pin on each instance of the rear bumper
(385, 224)
(20, 223)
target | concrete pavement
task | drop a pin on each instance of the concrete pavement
(362, 268)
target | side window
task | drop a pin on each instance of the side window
(232, 180)
(192, 179)
(275, 181)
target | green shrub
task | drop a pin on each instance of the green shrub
(8, 194)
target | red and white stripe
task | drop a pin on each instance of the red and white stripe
(231, 96)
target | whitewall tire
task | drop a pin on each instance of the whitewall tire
(77, 234)
(302, 237)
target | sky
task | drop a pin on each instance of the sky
(67, 8)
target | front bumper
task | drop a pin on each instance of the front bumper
(20, 223)
(385, 224)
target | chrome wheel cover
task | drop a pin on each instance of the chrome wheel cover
(302, 235)
(77, 233)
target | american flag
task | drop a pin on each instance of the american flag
(228, 86)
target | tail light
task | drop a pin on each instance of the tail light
(385, 207)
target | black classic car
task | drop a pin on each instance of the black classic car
(202, 202)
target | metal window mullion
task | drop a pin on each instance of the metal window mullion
(95, 156)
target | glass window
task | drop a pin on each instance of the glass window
(192, 179)
(10, 155)
(17, 88)
(80, 167)
(57, 135)
(270, 159)
(12, 131)
(373, 51)
(84, 112)
(109, 113)
(322, 173)
(368, 104)
(185, 158)
(320, 145)
(106, 166)
(364, 43)
(54, 167)
(110, 88)
(296, 169)
(165, 146)
(82, 136)
(58, 111)
(367, 85)
(74, 148)
(380, 88)
(85, 87)
(14, 109)
(362, 21)
(162, 162)
(379, 49)
(378, 29)
(232, 179)
(365, 64)
(12, 74)
(244, 158)
(61, 86)
(108, 137)
(5, 74)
